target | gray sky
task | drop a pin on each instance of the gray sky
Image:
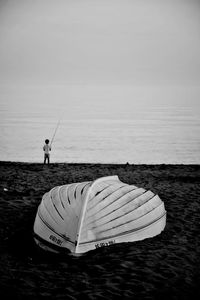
(114, 44)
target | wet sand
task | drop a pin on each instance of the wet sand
(164, 267)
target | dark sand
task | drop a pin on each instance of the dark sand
(164, 267)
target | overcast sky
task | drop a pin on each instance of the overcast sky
(121, 43)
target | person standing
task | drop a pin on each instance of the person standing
(46, 149)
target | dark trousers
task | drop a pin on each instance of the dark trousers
(46, 158)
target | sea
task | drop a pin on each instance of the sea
(151, 133)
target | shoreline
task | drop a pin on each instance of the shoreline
(98, 163)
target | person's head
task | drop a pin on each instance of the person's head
(46, 141)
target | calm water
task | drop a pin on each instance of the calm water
(149, 134)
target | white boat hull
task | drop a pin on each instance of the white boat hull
(85, 216)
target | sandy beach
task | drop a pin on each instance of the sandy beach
(163, 267)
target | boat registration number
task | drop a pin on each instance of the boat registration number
(103, 244)
(56, 240)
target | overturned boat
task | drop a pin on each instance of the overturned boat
(80, 217)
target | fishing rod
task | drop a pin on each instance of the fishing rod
(55, 132)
